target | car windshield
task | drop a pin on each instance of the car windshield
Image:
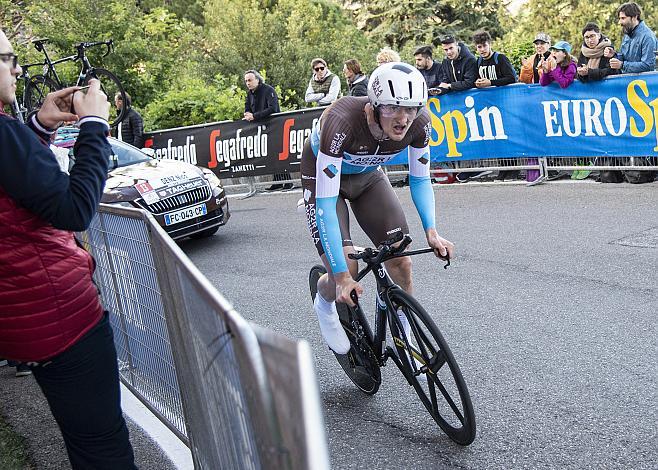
(125, 154)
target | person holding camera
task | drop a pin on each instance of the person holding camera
(51, 317)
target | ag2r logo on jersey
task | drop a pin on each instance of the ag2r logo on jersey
(331, 171)
(424, 158)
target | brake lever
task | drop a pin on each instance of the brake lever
(445, 258)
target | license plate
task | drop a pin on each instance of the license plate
(185, 214)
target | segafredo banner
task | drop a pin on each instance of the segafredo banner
(240, 148)
(617, 116)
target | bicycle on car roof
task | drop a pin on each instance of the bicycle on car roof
(37, 87)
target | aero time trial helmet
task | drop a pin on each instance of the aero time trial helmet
(398, 84)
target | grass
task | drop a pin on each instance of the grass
(13, 449)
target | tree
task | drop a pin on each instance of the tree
(537, 15)
(402, 24)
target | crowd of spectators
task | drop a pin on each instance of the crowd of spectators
(552, 64)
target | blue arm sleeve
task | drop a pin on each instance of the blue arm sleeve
(423, 196)
(327, 186)
(329, 231)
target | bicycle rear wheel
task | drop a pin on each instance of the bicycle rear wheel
(429, 366)
(111, 86)
(36, 91)
(360, 363)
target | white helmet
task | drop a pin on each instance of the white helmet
(398, 84)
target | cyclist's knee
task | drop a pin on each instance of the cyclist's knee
(401, 265)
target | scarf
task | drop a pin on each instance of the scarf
(595, 54)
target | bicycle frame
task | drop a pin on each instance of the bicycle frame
(86, 67)
(384, 305)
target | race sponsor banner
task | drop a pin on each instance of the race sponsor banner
(614, 117)
(240, 148)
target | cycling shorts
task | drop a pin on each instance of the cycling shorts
(374, 203)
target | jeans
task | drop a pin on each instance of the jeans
(82, 388)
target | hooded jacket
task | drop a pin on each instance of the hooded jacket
(358, 86)
(462, 72)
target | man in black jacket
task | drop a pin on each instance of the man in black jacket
(260, 103)
(261, 100)
(431, 70)
(131, 129)
(459, 68)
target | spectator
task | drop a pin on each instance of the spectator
(560, 67)
(530, 68)
(50, 313)
(494, 69)
(386, 55)
(636, 55)
(431, 70)
(131, 129)
(324, 86)
(638, 46)
(261, 99)
(458, 69)
(357, 82)
(592, 64)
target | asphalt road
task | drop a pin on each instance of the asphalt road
(550, 309)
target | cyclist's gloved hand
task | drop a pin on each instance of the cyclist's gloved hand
(344, 287)
(56, 108)
(92, 103)
(443, 248)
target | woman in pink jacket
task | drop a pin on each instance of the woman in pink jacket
(560, 67)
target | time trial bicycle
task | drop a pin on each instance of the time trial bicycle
(423, 357)
(38, 86)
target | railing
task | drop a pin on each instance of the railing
(195, 362)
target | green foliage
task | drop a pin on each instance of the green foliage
(191, 100)
(400, 23)
(565, 19)
(281, 40)
(515, 50)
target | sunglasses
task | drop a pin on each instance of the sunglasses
(9, 56)
(390, 110)
(318, 69)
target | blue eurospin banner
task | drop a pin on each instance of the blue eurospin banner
(617, 116)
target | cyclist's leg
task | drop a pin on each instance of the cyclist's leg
(376, 192)
(325, 305)
(326, 284)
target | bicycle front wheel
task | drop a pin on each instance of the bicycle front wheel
(112, 87)
(36, 91)
(428, 364)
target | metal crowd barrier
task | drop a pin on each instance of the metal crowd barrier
(238, 395)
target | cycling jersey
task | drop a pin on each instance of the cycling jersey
(342, 143)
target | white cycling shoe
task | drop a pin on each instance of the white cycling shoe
(331, 329)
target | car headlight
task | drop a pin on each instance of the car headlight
(211, 178)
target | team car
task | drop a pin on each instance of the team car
(186, 200)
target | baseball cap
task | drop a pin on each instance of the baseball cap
(542, 37)
(563, 46)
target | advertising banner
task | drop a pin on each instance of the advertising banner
(615, 117)
(240, 148)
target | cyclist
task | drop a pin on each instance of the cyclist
(341, 162)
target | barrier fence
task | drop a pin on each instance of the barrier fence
(238, 395)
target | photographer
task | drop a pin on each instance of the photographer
(50, 314)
